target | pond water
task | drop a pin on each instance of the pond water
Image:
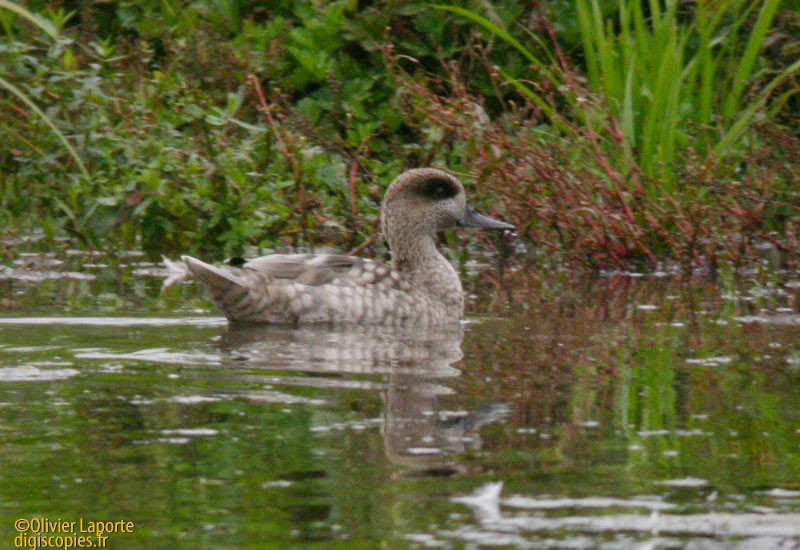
(622, 412)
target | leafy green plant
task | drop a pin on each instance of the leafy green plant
(226, 128)
(52, 30)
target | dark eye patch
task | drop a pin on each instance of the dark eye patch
(438, 189)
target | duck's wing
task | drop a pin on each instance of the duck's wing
(287, 288)
(317, 269)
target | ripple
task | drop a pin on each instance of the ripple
(780, 320)
(649, 503)
(782, 493)
(684, 482)
(156, 355)
(193, 399)
(705, 525)
(191, 432)
(28, 373)
(710, 361)
(29, 276)
(115, 321)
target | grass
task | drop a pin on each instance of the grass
(612, 133)
(666, 83)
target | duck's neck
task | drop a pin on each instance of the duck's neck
(415, 254)
(420, 262)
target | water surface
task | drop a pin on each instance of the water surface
(623, 412)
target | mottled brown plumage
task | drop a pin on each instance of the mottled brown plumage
(420, 289)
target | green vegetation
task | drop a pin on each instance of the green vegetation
(609, 132)
(665, 81)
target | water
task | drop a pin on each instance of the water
(627, 412)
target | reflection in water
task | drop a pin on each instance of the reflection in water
(634, 412)
(408, 367)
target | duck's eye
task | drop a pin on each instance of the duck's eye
(439, 189)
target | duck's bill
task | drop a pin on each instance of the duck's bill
(479, 221)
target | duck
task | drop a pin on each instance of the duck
(419, 289)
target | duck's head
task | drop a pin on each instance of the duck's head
(424, 201)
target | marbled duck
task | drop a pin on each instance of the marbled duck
(421, 288)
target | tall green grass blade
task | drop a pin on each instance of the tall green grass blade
(703, 64)
(51, 31)
(747, 117)
(22, 138)
(545, 107)
(780, 103)
(587, 36)
(35, 108)
(503, 35)
(744, 71)
(628, 118)
(523, 88)
(551, 56)
(609, 60)
(43, 24)
(67, 210)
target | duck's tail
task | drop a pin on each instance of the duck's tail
(213, 276)
(233, 291)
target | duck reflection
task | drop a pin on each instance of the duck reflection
(412, 370)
